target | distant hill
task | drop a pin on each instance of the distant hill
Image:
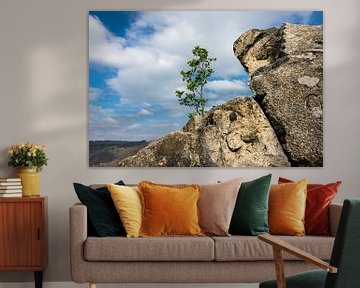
(109, 153)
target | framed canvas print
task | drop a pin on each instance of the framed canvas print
(205, 88)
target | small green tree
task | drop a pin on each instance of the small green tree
(196, 78)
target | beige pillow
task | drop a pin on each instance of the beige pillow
(216, 205)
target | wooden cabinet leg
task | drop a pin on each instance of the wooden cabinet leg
(38, 279)
(92, 285)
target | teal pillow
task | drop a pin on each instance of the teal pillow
(250, 216)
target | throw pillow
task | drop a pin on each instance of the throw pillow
(287, 208)
(319, 197)
(127, 201)
(250, 215)
(102, 215)
(169, 210)
(216, 206)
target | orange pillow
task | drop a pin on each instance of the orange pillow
(287, 204)
(318, 200)
(169, 210)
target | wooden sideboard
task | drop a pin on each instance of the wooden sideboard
(23, 235)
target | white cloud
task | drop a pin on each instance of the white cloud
(109, 121)
(94, 93)
(104, 47)
(226, 85)
(145, 112)
(134, 126)
(148, 65)
(97, 113)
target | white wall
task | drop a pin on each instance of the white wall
(43, 90)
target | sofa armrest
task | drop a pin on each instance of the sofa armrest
(334, 217)
(78, 235)
(284, 246)
(279, 246)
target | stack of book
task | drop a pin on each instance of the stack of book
(10, 187)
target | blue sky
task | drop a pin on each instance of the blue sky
(135, 59)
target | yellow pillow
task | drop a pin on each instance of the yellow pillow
(127, 201)
(169, 210)
(287, 204)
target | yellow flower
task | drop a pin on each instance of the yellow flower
(27, 153)
(42, 147)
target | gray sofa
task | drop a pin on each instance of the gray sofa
(234, 259)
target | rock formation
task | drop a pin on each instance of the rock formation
(234, 134)
(285, 66)
(281, 126)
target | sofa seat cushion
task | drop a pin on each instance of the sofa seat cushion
(149, 249)
(244, 248)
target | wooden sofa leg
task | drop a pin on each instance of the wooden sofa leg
(92, 285)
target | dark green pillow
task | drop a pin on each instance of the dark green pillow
(250, 216)
(103, 218)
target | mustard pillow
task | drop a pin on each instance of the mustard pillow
(169, 210)
(127, 201)
(287, 204)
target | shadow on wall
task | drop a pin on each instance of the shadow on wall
(4, 159)
(45, 58)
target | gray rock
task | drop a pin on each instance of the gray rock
(257, 48)
(234, 134)
(286, 70)
(176, 149)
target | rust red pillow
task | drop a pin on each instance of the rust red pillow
(319, 197)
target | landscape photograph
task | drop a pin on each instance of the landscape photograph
(205, 88)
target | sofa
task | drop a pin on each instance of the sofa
(233, 259)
